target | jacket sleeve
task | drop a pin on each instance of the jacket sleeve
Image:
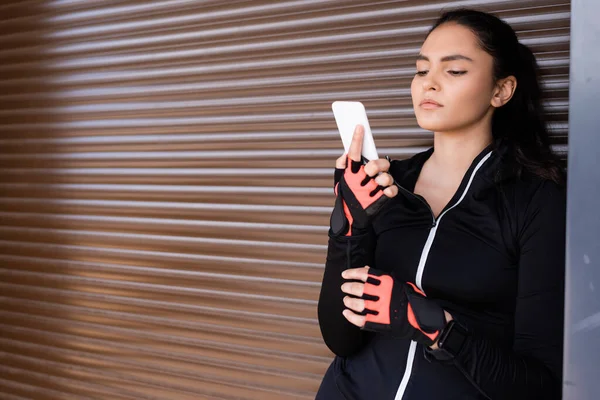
(344, 252)
(532, 369)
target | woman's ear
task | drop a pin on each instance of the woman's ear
(505, 88)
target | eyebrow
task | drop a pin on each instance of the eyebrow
(452, 57)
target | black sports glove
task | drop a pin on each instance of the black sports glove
(358, 199)
(401, 309)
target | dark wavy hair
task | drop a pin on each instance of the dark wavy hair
(521, 123)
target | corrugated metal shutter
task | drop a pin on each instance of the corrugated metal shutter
(166, 182)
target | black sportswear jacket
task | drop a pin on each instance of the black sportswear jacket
(494, 258)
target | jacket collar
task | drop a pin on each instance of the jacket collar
(406, 172)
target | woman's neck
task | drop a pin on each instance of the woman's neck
(454, 152)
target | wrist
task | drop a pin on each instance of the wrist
(449, 318)
(451, 342)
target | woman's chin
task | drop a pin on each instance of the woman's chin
(433, 126)
(438, 123)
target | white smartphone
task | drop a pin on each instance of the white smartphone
(347, 115)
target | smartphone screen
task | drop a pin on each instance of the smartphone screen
(347, 115)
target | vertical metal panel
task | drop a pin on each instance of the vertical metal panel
(582, 322)
(166, 172)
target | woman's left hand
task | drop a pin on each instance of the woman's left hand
(398, 308)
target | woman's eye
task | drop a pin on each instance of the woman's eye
(421, 73)
(457, 73)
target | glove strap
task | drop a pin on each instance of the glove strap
(423, 314)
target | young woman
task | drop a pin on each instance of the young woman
(444, 274)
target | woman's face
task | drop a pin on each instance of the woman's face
(453, 85)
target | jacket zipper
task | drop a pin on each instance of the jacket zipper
(348, 252)
(421, 268)
(422, 200)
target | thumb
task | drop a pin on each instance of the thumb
(341, 162)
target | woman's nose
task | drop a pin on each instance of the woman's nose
(430, 82)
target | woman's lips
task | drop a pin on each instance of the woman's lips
(430, 104)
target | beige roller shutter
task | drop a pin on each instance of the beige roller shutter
(165, 182)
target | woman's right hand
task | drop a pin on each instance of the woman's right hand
(361, 189)
(375, 168)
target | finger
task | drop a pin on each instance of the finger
(354, 288)
(356, 273)
(356, 146)
(384, 180)
(342, 161)
(374, 167)
(391, 191)
(358, 320)
(357, 305)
